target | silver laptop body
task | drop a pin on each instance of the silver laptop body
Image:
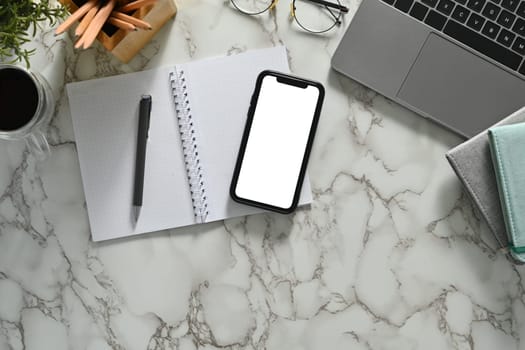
(406, 52)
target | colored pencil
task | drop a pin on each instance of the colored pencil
(84, 23)
(130, 19)
(136, 5)
(79, 13)
(121, 24)
(96, 24)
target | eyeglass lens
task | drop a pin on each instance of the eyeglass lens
(314, 17)
(252, 7)
(311, 16)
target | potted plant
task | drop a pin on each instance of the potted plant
(19, 20)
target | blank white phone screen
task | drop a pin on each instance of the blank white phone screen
(276, 143)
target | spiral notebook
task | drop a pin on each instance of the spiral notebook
(197, 119)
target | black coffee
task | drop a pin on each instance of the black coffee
(18, 99)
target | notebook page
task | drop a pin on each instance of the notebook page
(219, 91)
(105, 119)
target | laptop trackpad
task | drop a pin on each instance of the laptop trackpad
(460, 89)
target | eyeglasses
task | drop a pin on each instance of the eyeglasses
(314, 16)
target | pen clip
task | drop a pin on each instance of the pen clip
(147, 99)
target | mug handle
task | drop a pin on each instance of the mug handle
(37, 143)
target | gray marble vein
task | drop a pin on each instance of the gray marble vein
(390, 255)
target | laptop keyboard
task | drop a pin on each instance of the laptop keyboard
(495, 28)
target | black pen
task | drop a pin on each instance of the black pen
(140, 161)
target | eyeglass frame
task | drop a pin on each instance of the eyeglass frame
(343, 9)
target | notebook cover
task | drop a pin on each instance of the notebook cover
(472, 163)
(506, 145)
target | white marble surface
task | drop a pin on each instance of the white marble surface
(391, 254)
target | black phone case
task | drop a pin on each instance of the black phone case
(291, 80)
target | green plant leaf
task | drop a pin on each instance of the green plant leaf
(16, 19)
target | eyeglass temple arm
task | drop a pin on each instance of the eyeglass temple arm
(330, 4)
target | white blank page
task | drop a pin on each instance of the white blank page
(105, 119)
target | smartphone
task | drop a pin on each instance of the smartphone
(276, 143)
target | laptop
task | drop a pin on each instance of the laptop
(457, 62)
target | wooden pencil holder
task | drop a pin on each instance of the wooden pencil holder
(124, 44)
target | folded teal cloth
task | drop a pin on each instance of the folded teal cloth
(507, 147)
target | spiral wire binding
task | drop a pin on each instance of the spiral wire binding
(189, 144)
